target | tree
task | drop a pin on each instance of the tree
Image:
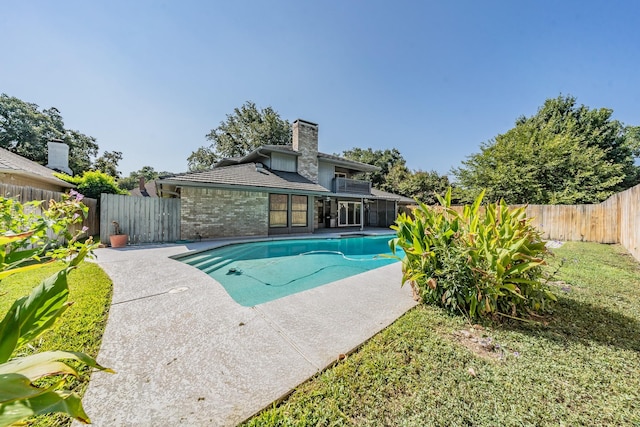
(82, 149)
(423, 186)
(25, 130)
(202, 159)
(565, 154)
(147, 172)
(395, 177)
(108, 163)
(242, 132)
(387, 160)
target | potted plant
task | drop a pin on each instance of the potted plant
(118, 239)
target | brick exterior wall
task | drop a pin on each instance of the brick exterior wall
(305, 141)
(215, 213)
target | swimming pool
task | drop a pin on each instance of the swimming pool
(258, 272)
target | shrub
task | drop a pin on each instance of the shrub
(474, 263)
(93, 183)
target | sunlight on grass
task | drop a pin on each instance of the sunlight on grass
(578, 366)
(79, 329)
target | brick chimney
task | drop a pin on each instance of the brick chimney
(58, 156)
(305, 141)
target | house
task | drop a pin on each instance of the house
(17, 170)
(280, 189)
(145, 189)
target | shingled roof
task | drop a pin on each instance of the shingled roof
(12, 163)
(386, 195)
(259, 153)
(248, 175)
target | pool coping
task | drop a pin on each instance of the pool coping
(220, 243)
(185, 352)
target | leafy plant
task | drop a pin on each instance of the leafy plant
(477, 263)
(25, 244)
(93, 183)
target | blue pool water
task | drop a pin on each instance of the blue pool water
(258, 272)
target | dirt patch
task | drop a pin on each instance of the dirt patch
(563, 286)
(480, 343)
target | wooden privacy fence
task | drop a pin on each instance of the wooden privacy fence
(27, 194)
(144, 219)
(616, 220)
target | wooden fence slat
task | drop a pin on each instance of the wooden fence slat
(616, 220)
(28, 194)
(144, 219)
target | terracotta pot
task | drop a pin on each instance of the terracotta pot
(118, 240)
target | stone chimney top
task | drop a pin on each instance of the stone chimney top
(305, 141)
(58, 156)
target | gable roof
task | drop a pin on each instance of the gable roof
(12, 163)
(247, 175)
(149, 190)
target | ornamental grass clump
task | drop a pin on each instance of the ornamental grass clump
(478, 263)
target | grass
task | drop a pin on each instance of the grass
(577, 366)
(80, 328)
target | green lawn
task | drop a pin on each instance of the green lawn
(578, 366)
(80, 328)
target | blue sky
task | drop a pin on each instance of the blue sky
(432, 79)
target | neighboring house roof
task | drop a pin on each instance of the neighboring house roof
(261, 152)
(11, 163)
(247, 175)
(149, 190)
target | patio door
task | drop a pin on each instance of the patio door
(349, 213)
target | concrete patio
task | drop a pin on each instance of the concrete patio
(187, 354)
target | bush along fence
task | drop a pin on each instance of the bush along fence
(141, 219)
(616, 220)
(479, 264)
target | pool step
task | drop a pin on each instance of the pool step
(204, 263)
(194, 259)
(217, 266)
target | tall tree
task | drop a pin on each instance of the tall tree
(147, 172)
(564, 154)
(82, 149)
(25, 130)
(202, 159)
(395, 177)
(423, 186)
(387, 160)
(242, 132)
(108, 163)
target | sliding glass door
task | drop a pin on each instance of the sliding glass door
(349, 213)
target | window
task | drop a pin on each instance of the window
(298, 211)
(278, 210)
(288, 211)
(340, 175)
